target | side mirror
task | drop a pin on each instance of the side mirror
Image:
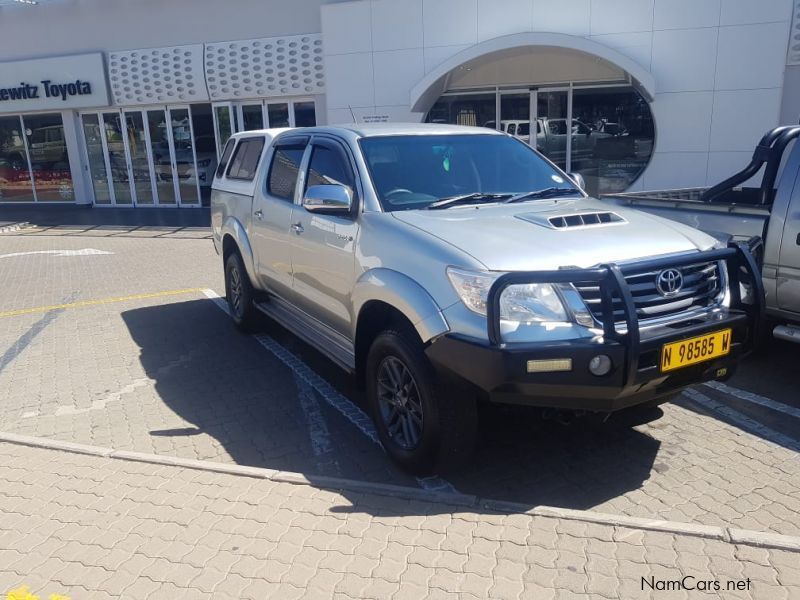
(578, 180)
(330, 199)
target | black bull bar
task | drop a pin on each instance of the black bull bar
(610, 277)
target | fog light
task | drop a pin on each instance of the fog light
(549, 365)
(600, 365)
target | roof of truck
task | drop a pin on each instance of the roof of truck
(361, 130)
(375, 129)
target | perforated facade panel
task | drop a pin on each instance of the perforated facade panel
(157, 75)
(266, 67)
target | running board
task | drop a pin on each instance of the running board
(330, 343)
(790, 333)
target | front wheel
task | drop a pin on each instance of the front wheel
(239, 293)
(424, 428)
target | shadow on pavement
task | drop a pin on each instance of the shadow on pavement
(226, 386)
(86, 215)
(761, 398)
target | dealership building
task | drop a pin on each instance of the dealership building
(129, 102)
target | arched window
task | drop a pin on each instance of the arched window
(605, 133)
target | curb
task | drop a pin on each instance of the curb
(14, 227)
(742, 537)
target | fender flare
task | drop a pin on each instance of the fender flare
(404, 294)
(233, 227)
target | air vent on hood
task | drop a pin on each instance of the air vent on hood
(584, 220)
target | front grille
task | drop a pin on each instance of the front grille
(702, 285)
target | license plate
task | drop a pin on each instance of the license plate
(695, 350)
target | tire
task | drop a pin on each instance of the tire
(440, 426)
(239, 294)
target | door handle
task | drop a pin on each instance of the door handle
(298, 228)
(259, 214)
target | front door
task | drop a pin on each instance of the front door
(273, 205)
(323, 245)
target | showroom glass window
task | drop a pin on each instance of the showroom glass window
(34, 164)
(15, 176)
(608, 138)
(612, 137)
(304, 114)
(47, 148)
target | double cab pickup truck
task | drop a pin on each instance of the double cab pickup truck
(446, 266)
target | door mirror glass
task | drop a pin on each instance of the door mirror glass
(331, 198)
(579, 180)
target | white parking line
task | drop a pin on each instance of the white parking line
(81, 252)
(754, 398)
(328, 393)
(321, 443)
(743, 420)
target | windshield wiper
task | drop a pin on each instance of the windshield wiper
(550, 192)
(466, 198)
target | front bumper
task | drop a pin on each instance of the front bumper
(500, 369)
(501, 372)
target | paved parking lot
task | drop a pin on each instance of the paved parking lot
(113, 338)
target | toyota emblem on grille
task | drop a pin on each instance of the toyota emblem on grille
(669, 282)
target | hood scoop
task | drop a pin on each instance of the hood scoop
(574, 220)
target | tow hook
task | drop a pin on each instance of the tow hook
(561, 416)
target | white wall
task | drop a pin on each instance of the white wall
(718, 64)
(75, 26)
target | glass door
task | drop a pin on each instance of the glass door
(148, 157)
(161, 155)
(96, 158)
(224, 124)
(114, 132)
(553, 125)
(251, 116)
(181, 137)
(515, 114)
(137, 148)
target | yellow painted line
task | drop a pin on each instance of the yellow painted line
(82, 303)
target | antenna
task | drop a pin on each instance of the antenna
(352, 114)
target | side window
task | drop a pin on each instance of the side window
(283, 171)
(245, 160)
(226, 156)
(328, 167)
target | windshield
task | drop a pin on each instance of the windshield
(411, 172)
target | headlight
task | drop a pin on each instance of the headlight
(523, 303)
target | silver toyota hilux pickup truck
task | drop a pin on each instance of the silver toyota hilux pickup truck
(447, 265)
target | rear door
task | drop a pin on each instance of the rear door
(273, 204)
(789, 256)
(323, 246)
